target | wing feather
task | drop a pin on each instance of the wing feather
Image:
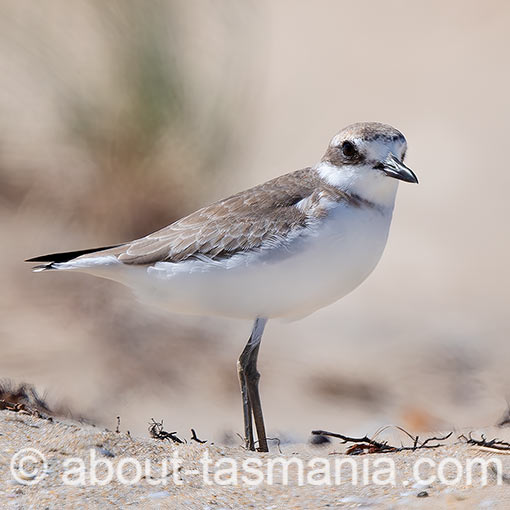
(245, 221)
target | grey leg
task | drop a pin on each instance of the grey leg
(249, 381)
(248, 427)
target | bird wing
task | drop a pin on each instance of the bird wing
(248, 220)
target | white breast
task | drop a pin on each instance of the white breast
(314, 270)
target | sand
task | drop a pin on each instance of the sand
(184, 485)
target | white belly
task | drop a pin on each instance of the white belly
(314, 271)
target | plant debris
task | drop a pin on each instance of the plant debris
(23, 399)
(195, 438)
(493, 444)
(369, 445)
(156, 431)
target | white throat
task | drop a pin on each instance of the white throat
(362, 181)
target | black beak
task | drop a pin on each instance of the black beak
(396, 169)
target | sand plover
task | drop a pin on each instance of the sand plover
(282, 249)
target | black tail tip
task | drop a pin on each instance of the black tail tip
(66, 256)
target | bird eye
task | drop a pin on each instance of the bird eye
(349, 149)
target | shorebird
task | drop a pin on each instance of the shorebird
(282, 249)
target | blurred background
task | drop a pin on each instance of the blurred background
(117, 118)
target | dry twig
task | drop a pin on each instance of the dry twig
(195, 438)
(493, 444)
(276, 440)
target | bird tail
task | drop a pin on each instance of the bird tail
(53, 259)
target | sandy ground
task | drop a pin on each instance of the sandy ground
(423, 343)
(184, 484)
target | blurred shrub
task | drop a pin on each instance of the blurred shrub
(130, 132)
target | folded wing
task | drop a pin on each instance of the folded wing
(248, 220)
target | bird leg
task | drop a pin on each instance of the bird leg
(249, 382)
(248, 427)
